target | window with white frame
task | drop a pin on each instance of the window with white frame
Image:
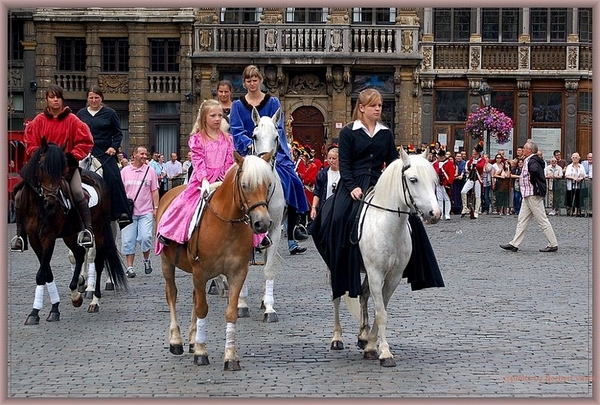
(548, 24)
(500, 24)
(452, 24)
(374, 15)
(240, 15)
(306, 15)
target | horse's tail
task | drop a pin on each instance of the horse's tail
(113, 261)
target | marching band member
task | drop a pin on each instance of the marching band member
(445, 171)
(475, 167)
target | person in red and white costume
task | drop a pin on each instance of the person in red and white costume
(445, 171)
(474, 168)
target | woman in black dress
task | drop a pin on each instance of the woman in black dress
(366, 146)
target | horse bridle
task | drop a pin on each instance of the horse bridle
(407, 200)
(273, 159)
(244, 207)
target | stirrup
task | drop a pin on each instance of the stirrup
(17, 239)
(86, 244)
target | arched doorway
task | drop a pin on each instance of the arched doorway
(307, 128)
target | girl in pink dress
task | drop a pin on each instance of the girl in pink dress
(212, 156)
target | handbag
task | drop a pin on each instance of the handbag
(131, 202)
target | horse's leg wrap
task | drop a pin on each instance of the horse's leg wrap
(91, 281)
(200, 330)
(38, 301)
(268, 299)
(229, 335)
(53, 292)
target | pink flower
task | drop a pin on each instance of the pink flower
(492, 120)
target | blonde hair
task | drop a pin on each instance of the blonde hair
(200, 124)
(366, 98)
(251, 71)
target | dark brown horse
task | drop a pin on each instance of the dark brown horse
(46, 213)
(221, 244)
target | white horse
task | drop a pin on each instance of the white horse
(87, 278)
(266, 138)
(406, 187)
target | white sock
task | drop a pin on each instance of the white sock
(53, 292)
(38, 301)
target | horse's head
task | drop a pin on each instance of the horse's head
(253, 179)
(265, 135)
(419, 180)
(46, 172)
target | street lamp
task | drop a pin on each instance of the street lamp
(485, 91)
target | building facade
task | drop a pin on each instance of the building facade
(156, 65)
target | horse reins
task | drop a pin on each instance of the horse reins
(244, 208)
(365, 200)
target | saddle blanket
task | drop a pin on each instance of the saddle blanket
(89, 190)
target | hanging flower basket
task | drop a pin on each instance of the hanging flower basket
(492, 120)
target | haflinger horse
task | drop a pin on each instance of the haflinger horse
(47, 213)
(87, 276)
(220, 244)
(266, 138)
(405, 188)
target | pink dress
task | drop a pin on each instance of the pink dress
(210, 160)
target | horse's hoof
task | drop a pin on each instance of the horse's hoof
(191, 349)
(32, 320)
(53, 317)
(109, 286)
(388, 362)
(77, 303)
(232, 365)
(243, 312)
(176, 349)
(361, 344)
(93, 308)
(201, 360)
(270, 317)
(89, 295)
(370, 355)
(337, 345)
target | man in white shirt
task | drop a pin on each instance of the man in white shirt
(587, 165)
(173, 169)
(552, 172)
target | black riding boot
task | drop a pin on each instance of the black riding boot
(19, 242)
(85, 237)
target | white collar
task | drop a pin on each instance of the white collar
(358, 124)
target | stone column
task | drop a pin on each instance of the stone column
(138, 84)
(93, 54)
(29, 74)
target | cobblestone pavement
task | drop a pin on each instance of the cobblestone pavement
(506, 325)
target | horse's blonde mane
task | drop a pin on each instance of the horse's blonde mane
(256, 171)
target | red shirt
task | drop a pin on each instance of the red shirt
(64, 129)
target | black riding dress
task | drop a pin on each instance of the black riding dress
(106, 131)
(362, 159)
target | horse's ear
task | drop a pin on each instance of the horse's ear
(255, 116)
(239, 159)
(64, 146)
(403, 154)
(268, 156)
(277, 117)
(424, 154)
(44, 143)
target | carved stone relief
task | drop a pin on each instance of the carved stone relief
(426, 63)
(475, 57)
(523, 86)
(271, 39)
(337, 42)
(524, 58)
(309, 84)
(114, 83)
(407, 41)
(572, 57)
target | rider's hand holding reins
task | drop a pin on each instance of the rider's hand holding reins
(356, 194)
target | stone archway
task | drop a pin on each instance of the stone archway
(308, 128)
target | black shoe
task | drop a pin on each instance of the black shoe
(510, 247)
(17, 244)
(549, 249)
(300, 233)
(163, 240)
(266, 242)
(297, 250)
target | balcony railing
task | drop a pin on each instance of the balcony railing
(308, 40)
(71, 81)
(164, 83)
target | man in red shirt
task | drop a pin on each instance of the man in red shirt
(474, 168)
(445, 171)
(60, 126)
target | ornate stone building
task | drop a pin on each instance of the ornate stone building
(156, 65)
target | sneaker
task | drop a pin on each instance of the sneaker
(130, 273)
(147, 267)
(552, 213)
(297, 250)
